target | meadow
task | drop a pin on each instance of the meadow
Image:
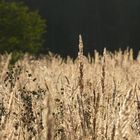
(90, 98)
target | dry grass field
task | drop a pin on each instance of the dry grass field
(94, 98)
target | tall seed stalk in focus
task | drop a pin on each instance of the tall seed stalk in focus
(81, 86)
(81, 65)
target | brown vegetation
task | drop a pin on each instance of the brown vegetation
(95, 98)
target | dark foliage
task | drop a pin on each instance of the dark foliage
(111, 24)
(20, 29)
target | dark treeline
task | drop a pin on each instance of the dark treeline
(112, 24)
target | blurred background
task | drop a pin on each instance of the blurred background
(112, 24)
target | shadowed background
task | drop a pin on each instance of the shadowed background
(112, 24)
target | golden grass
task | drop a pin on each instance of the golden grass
(95, 98)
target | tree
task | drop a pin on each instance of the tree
(20, 28)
